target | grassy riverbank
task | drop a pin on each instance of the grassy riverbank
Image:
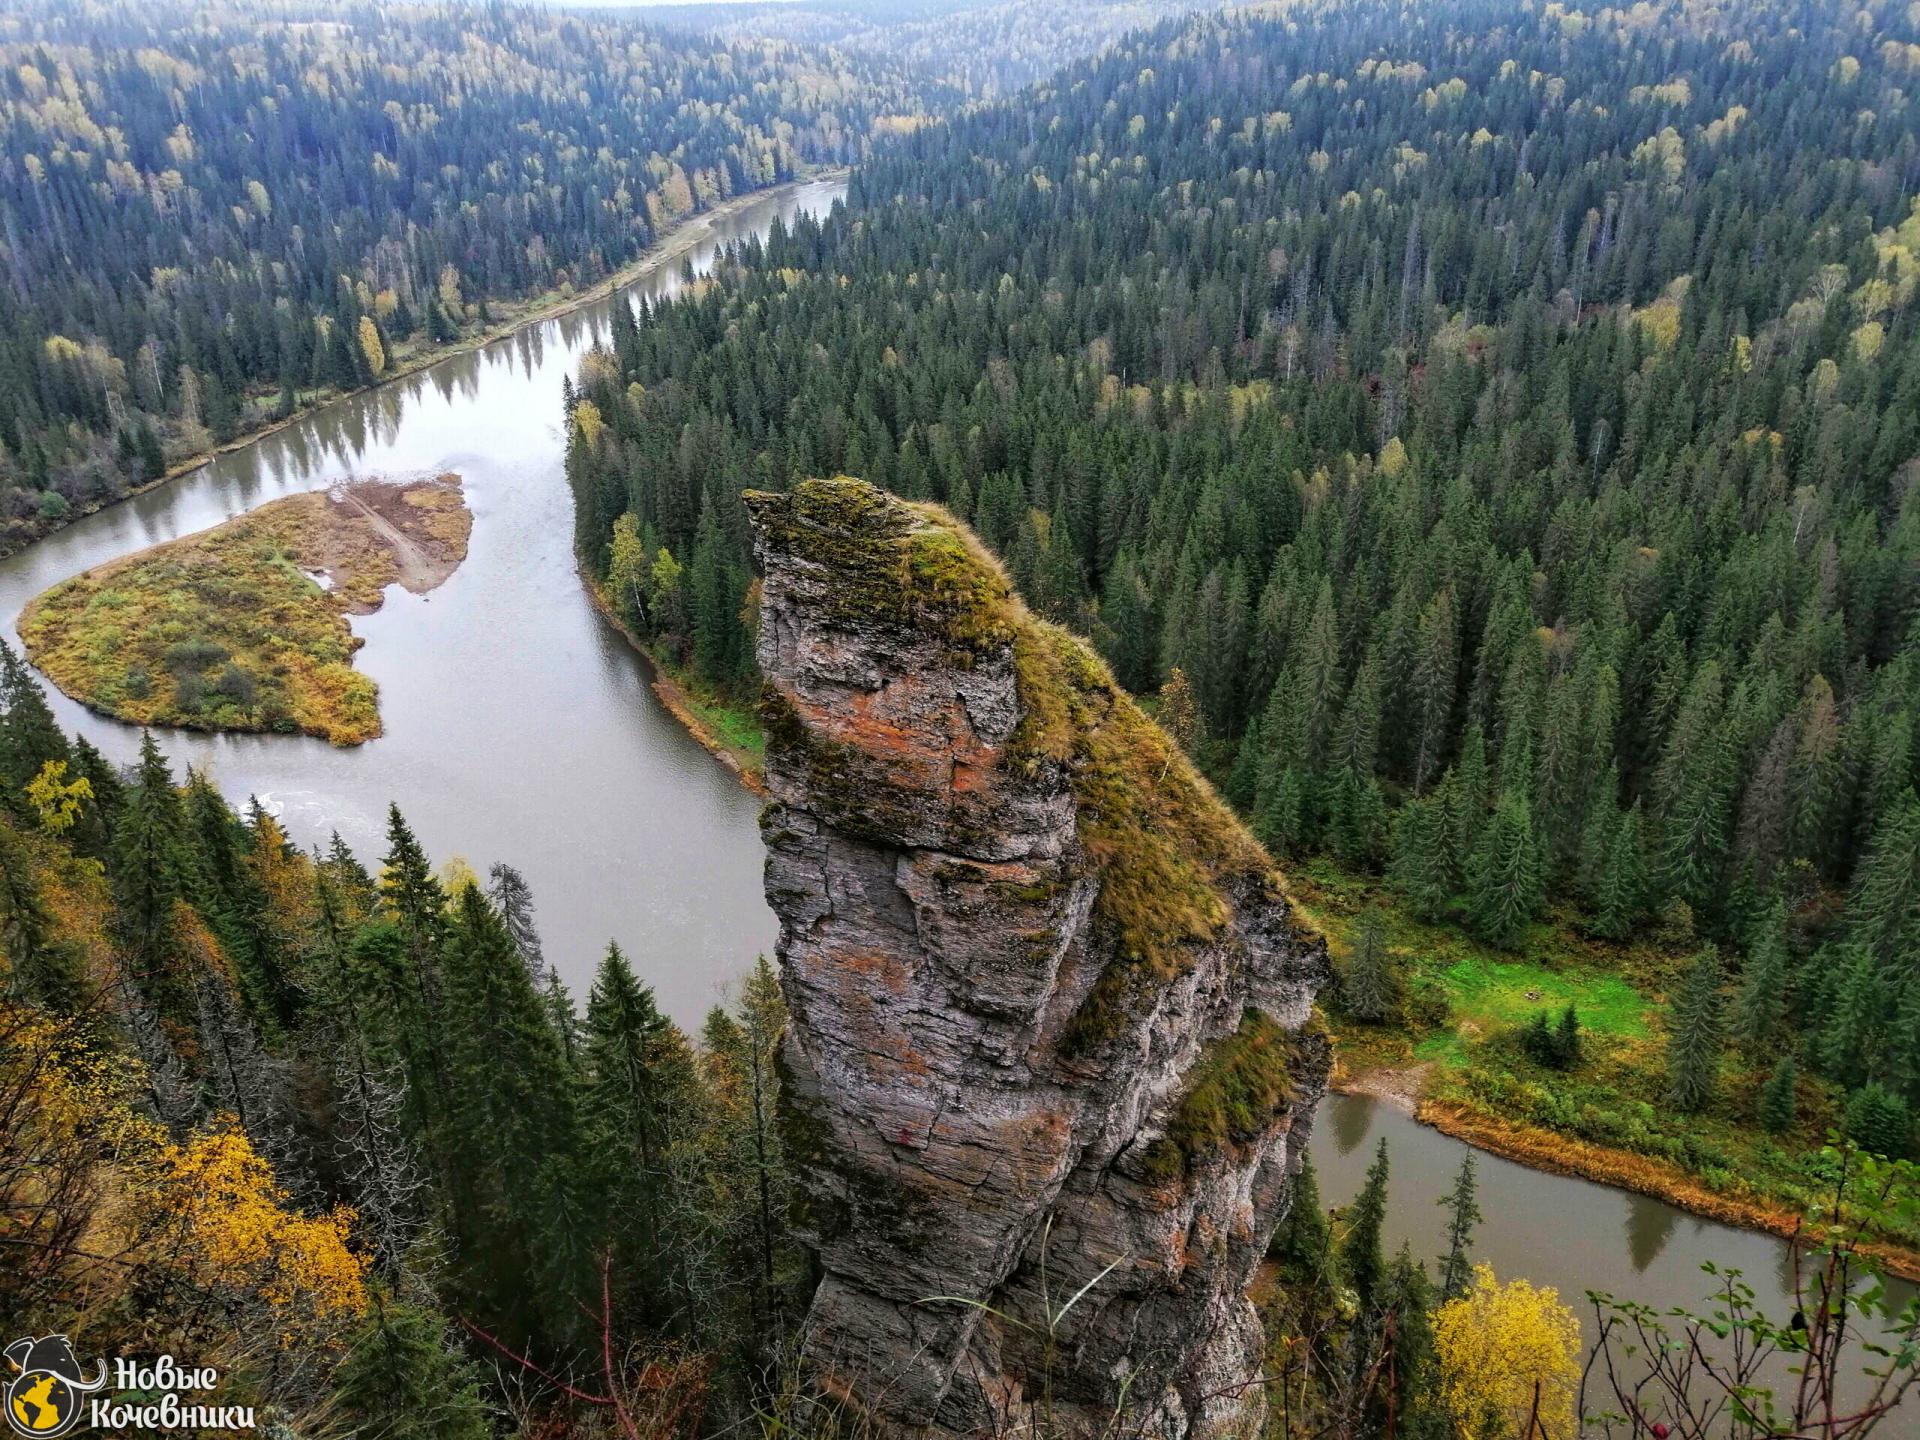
(229, 629)
(727, 728)
(260, 412)
(1454, 1054)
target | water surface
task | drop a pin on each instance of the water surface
(518, 723)
(1571, 1234)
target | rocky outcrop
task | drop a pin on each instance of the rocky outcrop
(1053, 1052)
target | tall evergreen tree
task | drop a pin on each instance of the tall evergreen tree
(1505, 886)
(1363, 1256)
(1368, 986)
(1693, 1034)
(1463, 1214)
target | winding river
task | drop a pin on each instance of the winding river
(519, 727)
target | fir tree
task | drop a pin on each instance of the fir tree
(1505, 888)
(1779, 1100)
(1693, 1035)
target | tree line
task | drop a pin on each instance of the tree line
(961, 51)
(202, 224)
(1495, 425)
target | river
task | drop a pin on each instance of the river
(519, 727)
(518, 723)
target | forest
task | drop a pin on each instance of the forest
(958, 52)
(1490, 432)
(206, 225)
(1484, 435)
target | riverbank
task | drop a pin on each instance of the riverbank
(409, 359)
(243, 627)
(724, 729)
(1452, 1056)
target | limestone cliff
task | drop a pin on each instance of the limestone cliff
(1052, 1018)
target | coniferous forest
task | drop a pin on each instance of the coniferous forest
(1484, 435)
(1491, 431)
(208, 224)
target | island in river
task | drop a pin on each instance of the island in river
(244, 626)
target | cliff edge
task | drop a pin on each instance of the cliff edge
(1052, 1017)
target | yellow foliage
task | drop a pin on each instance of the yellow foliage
(1665, 152)
(56, 799)
(1393, 458)
(1660, 322)
(1507, 1351)
(234, 1230)
(371, 347)
(587, 423)
(457, 874)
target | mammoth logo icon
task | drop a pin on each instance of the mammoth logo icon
(43, 1395)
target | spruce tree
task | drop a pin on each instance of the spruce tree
(1406, 1399)
(1620, 897)
(631, 1096)
(1368, 987)
(1852, 1041)
(1693, 1035)
(1421, 872)
(1303, 1245)
(1505, 888)
(1879, 1122)
(1762, 1001)
(152, 870)
(1567, 1045)
(507, 888)
(29, 738)
(1884, 903)
(513, 1129)
(1779, 1100)
(1463, 1214)
(403, 1379)
(1363, 1257)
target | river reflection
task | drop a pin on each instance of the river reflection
(518, 724)
(1549, 1229)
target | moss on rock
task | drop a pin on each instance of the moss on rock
(1164, 847)
(1240, 1087)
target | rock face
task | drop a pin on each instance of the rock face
(1052, 1029)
